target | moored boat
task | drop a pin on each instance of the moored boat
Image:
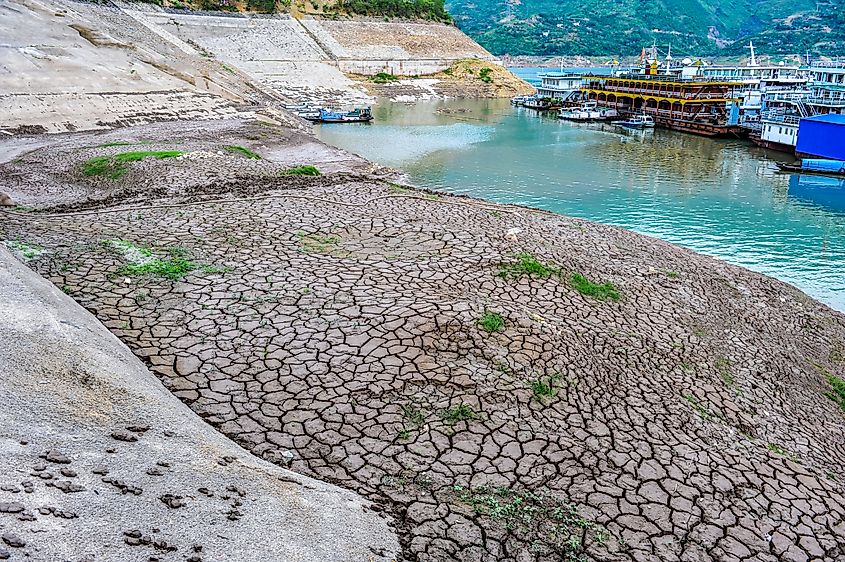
(641, 121)
(358, 115)
(815, 166)
(588, 111)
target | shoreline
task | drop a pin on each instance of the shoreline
(325, 325)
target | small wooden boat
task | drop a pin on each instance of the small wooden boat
(641, 121)
(358, 115)
(521, 100)
(815, 166)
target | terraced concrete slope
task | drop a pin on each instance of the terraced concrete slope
(75, 65)
(511, 384)
(99, 462)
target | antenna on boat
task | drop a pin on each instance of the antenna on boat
(753, 57)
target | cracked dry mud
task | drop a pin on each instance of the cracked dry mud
(333, 326)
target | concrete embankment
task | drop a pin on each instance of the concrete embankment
(69, 65)
(99, 462)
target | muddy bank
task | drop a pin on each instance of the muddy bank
(510, 384)
(98, 461)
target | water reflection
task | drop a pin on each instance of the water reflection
(720, 197)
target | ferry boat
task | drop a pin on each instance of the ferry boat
(641, 121)
(543, 104)
(677, 97)
(561, 86)
(521, 100)
(358, 115)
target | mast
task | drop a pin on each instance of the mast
(753, 57)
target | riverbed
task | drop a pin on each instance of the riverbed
(719, 197)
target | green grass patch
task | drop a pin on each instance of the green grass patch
(384, 78)
(699, 408)
(318, 243)
(174, 267)
(837, 389)
(550, 524)
(116, 143)
(245, 152)
(114, 167)
(25, 249)
(780, 451)
(723, 367)
(485, 75)
(306, 170)
(413, 415)
(461, 412)
(526, 264)
(600, 291)
(491, 322)
(545, 387)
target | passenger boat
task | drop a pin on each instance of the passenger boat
(521, 100)
(588, 111)
(358, 115)
(641, 121)
(542, 104)
(815, 166)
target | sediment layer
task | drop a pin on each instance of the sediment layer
(510, 384)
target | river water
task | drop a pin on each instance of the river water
(719, 197)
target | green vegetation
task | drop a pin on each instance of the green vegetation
(526, 264)
(723, 367)
(551, 525)
(602, 291)
(173, 267)
(544, 387)
(780, 451)
(491, 322)
(699, 408)
(114, 167)
(245, 152)
(624, 27)
(318, 243)
(461, 412)
(410, 9)
(837, 392)
(306, 170)
(25, 249)
(383, 78)
(485, 75)
(413, 415)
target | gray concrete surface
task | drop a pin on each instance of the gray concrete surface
(70, 387)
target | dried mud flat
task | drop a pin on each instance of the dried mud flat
(465, 364)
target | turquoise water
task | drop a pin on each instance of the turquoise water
(719, 197)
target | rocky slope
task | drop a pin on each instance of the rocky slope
(509, 383)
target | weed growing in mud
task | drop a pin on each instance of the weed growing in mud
(552, 526)
(114, 167)
(26, 250)
(723, 367)
(173, 268)
(317, 243)
(306, 170)
(837, 386)
(780, 451)
(545, 387)
(245, 152)
(837, 392)
(413, 415)
(600, 291)
(491, 322)
(526, 264)
(700, 409)
(461, 412)
(485, 75)
(396, 188)
(384, 78)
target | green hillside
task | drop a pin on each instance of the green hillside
(623, 27)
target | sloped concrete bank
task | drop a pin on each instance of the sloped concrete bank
(99, 462)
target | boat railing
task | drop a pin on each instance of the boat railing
(780, 116)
